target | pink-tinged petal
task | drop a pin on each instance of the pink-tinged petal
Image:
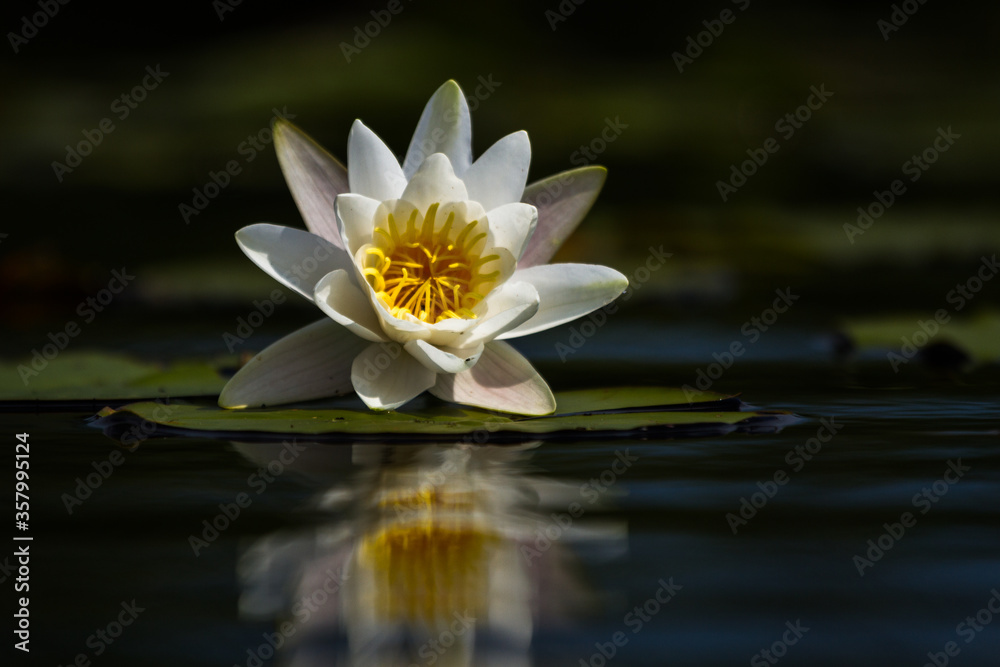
(445, 126)
(434, 182)
(314, 177)
(356, 220)
(499, 175)
(562, 200)
(372, 169)
(338, 296)
(504, 308)
(511, 227)
(441, 360)
(501, 380)
(566, 292)
(294, 257)
(314, 362)
(385, 376)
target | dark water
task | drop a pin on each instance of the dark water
(564, 553)
(368, 552)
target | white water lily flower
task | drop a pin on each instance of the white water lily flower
(423, 268)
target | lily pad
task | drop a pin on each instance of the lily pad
(585, 413)
(92, 376)
(977, 336)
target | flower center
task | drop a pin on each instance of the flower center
(431, 274)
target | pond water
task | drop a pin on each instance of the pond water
(866, 534)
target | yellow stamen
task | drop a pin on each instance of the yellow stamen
(430, 274)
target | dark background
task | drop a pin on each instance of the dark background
(783, 229)
(120, 207)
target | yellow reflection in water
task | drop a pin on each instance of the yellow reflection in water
(426, 568)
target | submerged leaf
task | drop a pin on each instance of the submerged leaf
(84, 376)
(977, 336)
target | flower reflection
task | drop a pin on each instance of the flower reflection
(432, 555)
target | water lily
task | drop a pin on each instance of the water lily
(423, 268)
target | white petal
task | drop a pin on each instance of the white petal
(296, 258)
(511, 226)
(355, 219)
(444, 127)
(385, 376)
(499, 175)
(562, 200)
(447, 333)
(502, 380)
(435, 181)
(314, 362)
(372, 169)
(567, 291)
(443, 361)
(503, 309)
(338, 296)
(314, 176)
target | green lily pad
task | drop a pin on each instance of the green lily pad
(599, 412)
(977, 336)
(85, 376)
(638, 399)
